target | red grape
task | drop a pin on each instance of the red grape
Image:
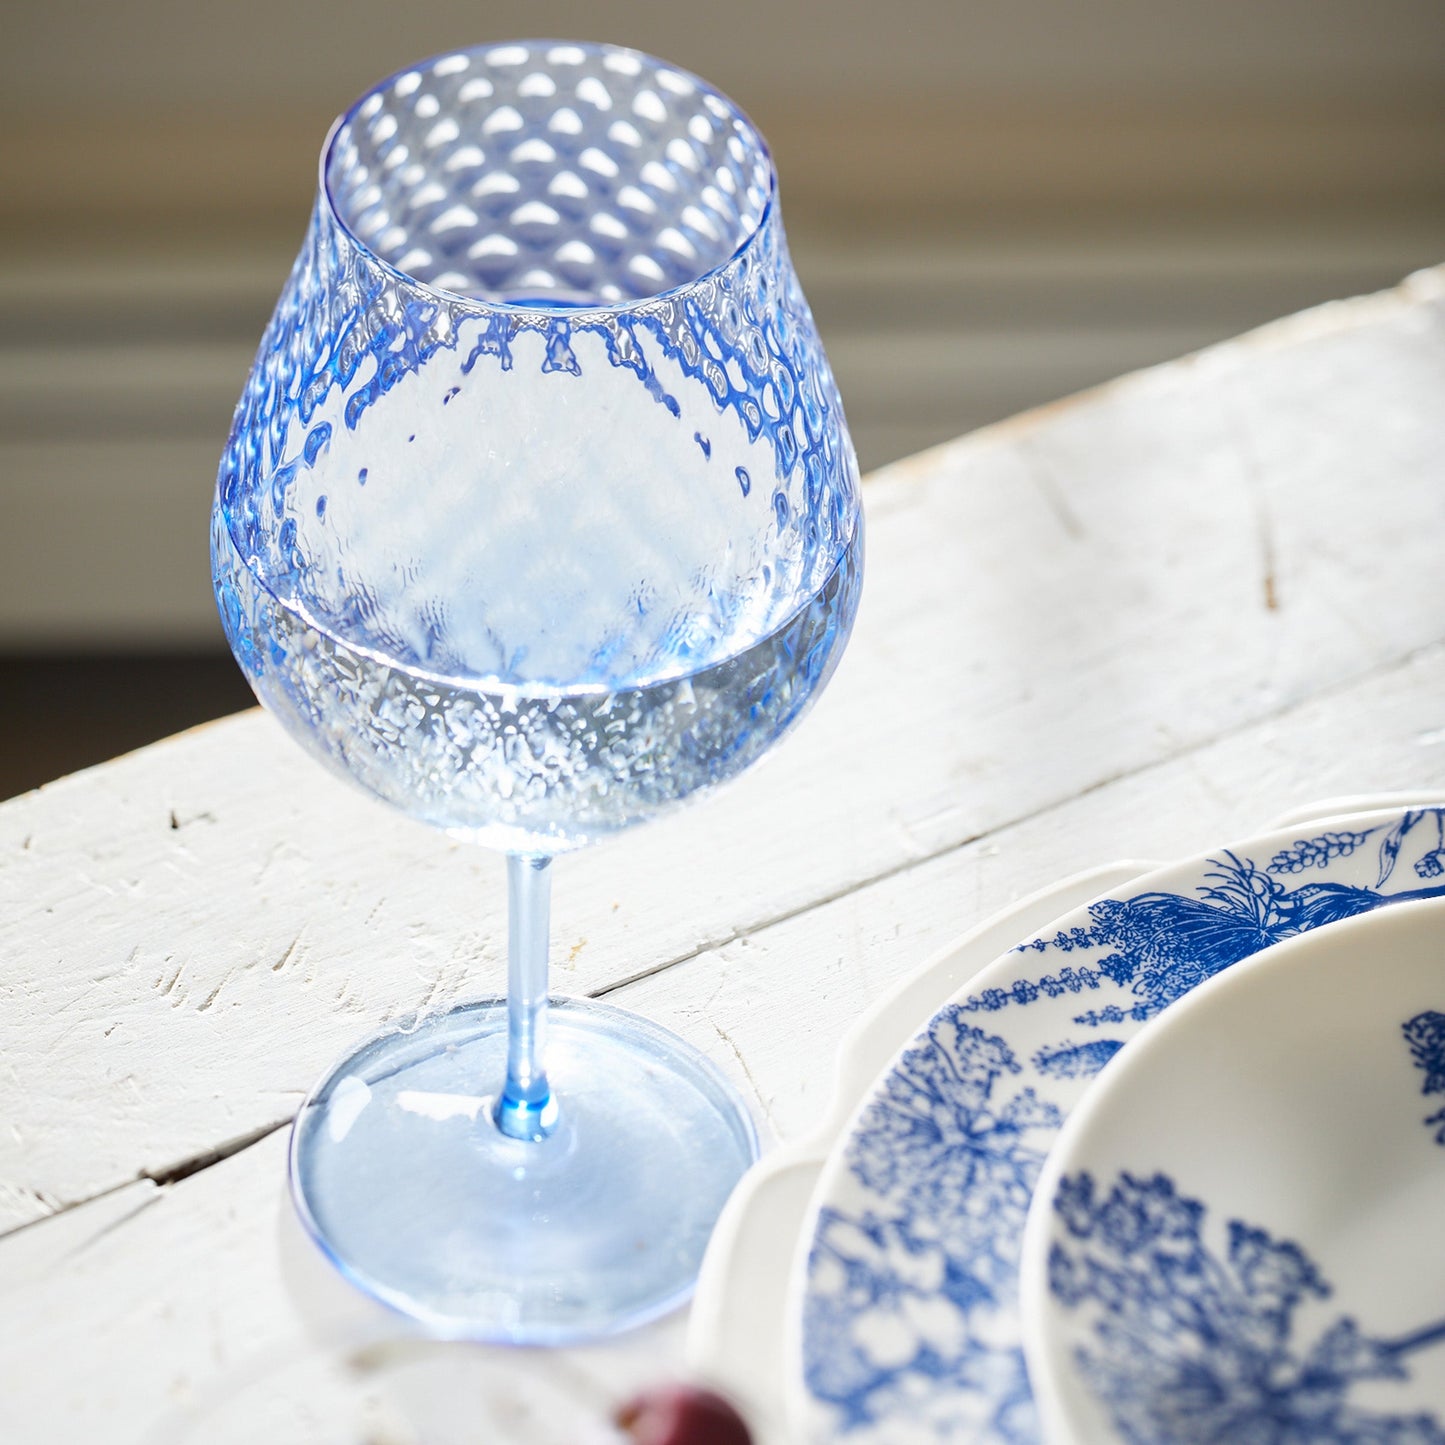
(682, 1415)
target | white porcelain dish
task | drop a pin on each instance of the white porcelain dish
(905, 1315)
(1240, 1233)
(735, 1329)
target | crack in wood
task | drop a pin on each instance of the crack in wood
(434, 988)
(54, 1208)
(48, 1202)
(1264, 535)
(288, 955)
(214, 994)
(897, 870)
(1254, 486)
(110, 1227)
(162, 1178)
(205, 1159)
(1047, 485)
(737, 1053)
(195, 1163)
(178, 823)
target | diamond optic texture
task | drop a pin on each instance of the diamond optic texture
(526, 171)
(541, 420)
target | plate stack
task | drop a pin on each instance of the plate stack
(1165, 1163)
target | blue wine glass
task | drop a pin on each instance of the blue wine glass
(538, 517)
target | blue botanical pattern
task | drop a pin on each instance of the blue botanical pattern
(1076, 1061)
(1193, 1344)
(911, 1328)
(1425, 1034)
(1320, 851)
(1164, 944)
(1316, 852)
(939, 1135)
(1430, 864)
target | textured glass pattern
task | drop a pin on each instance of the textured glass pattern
(549, 171)
(539, 511)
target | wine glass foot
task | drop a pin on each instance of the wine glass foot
(401, 1175)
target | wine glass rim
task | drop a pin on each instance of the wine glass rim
(545, 308)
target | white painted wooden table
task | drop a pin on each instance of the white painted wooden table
(1136, 623)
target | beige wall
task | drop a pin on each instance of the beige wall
(990, 204)
(275, 50)
(166, 120)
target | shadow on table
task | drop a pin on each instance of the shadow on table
(60, 713)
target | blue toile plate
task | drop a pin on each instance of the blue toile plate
(906, 1324)
(1237, 1236)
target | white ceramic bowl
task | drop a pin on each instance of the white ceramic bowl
(1240, 1232)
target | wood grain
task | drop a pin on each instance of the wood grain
(164, 1293)
(1136, 623)
(191, 933)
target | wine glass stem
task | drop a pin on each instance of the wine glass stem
(526, 1108)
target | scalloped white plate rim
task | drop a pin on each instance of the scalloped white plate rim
(736, 1324)
(736, 1321)
(800, 1407)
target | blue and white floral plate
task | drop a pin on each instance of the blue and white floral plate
(906, 1323)
(735, 1325)
(1240, 1233)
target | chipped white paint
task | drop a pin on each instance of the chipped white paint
(1133, 624)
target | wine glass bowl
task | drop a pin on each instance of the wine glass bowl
(537, 571)
(538, 517)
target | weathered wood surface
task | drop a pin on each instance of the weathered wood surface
(1137, 623)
